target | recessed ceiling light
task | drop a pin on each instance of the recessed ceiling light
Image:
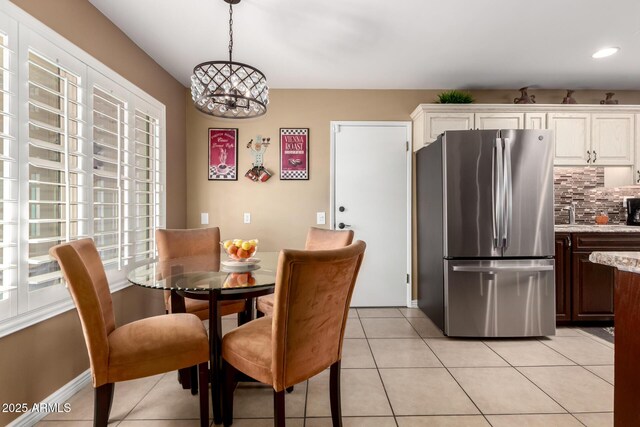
(607, 51)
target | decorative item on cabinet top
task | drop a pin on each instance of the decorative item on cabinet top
(454, 97)
(525, 98)
(569, 99)
(609, 99)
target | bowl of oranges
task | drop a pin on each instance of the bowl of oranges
(240, 250)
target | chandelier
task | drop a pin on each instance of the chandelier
(229, 89)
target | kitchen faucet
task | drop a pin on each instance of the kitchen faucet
(572, 213)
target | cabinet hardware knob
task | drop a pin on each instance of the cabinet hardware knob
(588, 156)
(638, 180)
(595, 156)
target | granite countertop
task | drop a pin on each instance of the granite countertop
(625, 261)
(594, 228)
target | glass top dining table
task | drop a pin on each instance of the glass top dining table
(213, 279)
(206, 274)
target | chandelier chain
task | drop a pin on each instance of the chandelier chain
(230, 31)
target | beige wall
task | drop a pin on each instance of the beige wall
(281, 211)
(38, 360)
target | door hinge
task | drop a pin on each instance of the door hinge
(407, 145)
(408, 278)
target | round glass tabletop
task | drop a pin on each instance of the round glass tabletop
(207, 274)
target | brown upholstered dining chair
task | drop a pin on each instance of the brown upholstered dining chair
(139, 349)
(194, 249)
(317, 239)
(202, 247)
(305, 334)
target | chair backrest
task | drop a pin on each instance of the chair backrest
(322, 239)
(312, 297)
(197, 249)
(87, 282)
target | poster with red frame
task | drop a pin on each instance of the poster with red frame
(223, 154)
(294, 153)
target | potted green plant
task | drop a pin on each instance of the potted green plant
(455, 97)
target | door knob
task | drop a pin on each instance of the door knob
(341, 209)
(342, 225)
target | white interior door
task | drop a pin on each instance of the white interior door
(371, 187)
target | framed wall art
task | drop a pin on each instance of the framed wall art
(294, 153)
(223, 154)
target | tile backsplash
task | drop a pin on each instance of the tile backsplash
(585, 187)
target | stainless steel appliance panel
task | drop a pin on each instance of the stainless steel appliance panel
(528, 211)
(499, 298)
(470, 165)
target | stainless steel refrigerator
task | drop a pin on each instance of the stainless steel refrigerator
(485, 233)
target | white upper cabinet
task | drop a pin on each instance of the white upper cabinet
(612, 139)
(535, 120)
(436, 123)
(499, 121)
(607, 135)
(572, 133)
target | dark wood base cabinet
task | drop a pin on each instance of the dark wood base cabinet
(563, 277)
(627, 372)
(584, 290)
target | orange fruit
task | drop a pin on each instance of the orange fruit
(232, 250)
(252, 280)
(241, 253)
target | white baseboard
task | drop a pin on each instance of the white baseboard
(414, 303)
(59, 397)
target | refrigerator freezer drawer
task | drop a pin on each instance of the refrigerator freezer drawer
(499, 298)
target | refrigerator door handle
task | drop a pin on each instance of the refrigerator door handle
(507, 213)
(490, 269)
(496, 193)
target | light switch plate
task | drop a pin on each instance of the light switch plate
(247, 218)
(204, 218)
(320, 218)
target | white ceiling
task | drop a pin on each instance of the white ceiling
(395, 44)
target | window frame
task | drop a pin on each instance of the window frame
(30, 34)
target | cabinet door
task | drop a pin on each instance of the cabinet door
(436, 123)
(592, 289)
(636, 170)
(499, 120)
(572, 134)
(563, 277)
(535, 121)
(612, 139)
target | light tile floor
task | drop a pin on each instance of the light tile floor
(399, 370)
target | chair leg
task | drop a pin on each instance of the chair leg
(103, 397)
(334, 386)
(259, 314)
(228, 387)
(290, 389)
(184, 378)
(278, 409)
(193, 372)
(203, 371)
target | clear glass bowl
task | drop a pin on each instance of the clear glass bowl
(240, 250)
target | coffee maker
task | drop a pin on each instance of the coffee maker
(633, 211)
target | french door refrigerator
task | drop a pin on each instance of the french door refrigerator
(485, 233)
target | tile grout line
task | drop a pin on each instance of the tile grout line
(393, 414)
(306, 399)
(447, 369)
(531, 381)
(142, 398)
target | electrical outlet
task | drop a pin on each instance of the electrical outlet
(204, 218)
(320, 218)
(247, 218)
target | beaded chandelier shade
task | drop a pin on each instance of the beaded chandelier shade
(229, 89)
